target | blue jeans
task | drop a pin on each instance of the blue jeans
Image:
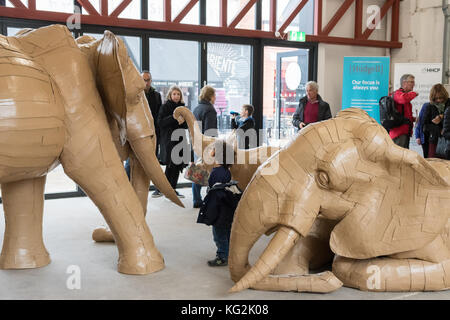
(196, 196)
(127, 168)
(222, 239)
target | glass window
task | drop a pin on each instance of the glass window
(9, 4)
(132, 43)
(304, 21)
(55, 5)
(193, 17)
(229, 70)
(212, 13)
(285, 76)
(156, 10)
(132, 11)
(169, 67)
(10, 31)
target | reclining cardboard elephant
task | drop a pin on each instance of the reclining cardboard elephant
(385, 213)
(60, 105)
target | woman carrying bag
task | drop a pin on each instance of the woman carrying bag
(433, 118)
(168, 126)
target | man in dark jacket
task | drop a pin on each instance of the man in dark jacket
(311, 108)
(207, 115)
(154, 101)
(244, 123)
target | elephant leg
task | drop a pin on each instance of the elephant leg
(389, 274)
(23, 246)
(97, 169)
(141, 184)
(139, 181)
(312, 252)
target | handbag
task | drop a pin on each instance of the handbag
(441, 147)
(197, 173)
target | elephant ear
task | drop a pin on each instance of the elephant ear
(400, 210)
(110, 81)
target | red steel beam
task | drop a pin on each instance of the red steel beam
(18, 4)
(88, 7)
(292, 16)
(32, 4)
(317, 17)
(273, 16)
(387, 5)
(358, 18)
(241, 14)
(337, 16)
(395, 20)
(223, 13)
(120, 8)
(167, 10)
(104, 7)
(185, 11)
(61, 17)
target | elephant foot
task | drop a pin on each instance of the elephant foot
(324, 282)
(102, 234)
(142, 261)
(24, 259)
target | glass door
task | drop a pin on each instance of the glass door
(229, 72)
(292, 75)
(286, 71)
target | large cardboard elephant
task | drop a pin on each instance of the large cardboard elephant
(386, 211)
(58, 104)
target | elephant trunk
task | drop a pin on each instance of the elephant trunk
(147, 157)
(199, 141)
(279, 246)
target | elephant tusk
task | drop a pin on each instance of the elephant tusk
(279, 246)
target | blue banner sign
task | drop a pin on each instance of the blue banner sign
(366, 80)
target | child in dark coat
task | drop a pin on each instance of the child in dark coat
(220, 202)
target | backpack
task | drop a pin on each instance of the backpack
(389, 116)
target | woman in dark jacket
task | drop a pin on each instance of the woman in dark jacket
(207, 115)
(446, 131)
(168, 127)
(433, 116)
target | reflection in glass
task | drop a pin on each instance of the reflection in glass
(168, 67)
(55, 5)
(229, 72)
(304, 21)
(10, 31)
(132, 11)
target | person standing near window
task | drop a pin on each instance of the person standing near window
(446, 131)
(311, 108)
(403, 97)
(207, 115)
(154, 103)
(168, 125)
(434, 114)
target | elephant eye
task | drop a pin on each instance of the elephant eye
(322, 179)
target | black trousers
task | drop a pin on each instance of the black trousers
(172, 173)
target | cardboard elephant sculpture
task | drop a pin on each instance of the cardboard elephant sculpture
(58, 103)
(135, 116)
(386, 212)
(245, 161)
